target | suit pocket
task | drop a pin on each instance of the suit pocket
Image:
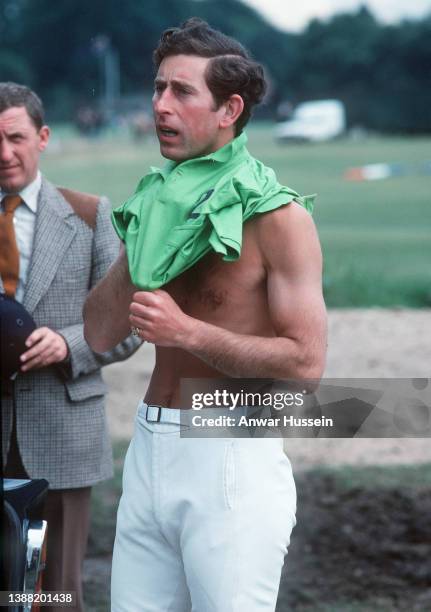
(79, 390)
(70, 275)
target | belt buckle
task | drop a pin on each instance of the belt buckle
(159, 414)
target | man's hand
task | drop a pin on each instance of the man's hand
(159, 319)
(46, 347)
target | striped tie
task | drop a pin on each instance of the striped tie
(9, 254)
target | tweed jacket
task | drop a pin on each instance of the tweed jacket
(61, 425)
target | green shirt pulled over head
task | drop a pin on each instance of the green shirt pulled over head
(183, 211)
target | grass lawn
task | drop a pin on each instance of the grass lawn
(375, 235)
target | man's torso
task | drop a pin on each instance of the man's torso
(230, 295)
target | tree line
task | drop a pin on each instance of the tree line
(381, 72)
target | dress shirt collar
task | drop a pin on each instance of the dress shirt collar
(233, 149)
(30, 193)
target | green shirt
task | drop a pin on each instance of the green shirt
(181, 212)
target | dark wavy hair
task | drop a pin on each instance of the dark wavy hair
(12, 94)
(230, 71)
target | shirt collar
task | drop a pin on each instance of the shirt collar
(222, 155)
(30, 193)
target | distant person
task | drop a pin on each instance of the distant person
(89, 121)
(204, 524)
(141, 126)
(55, 245)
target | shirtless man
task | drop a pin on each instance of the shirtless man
(204, 524)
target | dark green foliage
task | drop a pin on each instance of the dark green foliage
(381, 72)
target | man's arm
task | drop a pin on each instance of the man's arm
(84, 358)
(291, 249)
(66, 346)
(106, 309)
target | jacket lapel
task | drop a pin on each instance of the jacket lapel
(52, 237)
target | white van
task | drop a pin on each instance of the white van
(315, 121)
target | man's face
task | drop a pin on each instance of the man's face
(21, 144)
(187, 122)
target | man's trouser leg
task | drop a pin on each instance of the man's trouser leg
(203, 524)
(67, 512)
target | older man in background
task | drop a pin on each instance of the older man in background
(55, 244)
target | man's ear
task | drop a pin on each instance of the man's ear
(233, 108)
(44, 133)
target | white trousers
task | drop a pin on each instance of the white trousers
(203, 523)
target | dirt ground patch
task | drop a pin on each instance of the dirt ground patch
(358, 545)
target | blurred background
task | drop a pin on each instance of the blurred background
(347, 116)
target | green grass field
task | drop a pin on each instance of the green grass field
(375, 235)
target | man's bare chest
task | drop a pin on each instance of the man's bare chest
(212, 288)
